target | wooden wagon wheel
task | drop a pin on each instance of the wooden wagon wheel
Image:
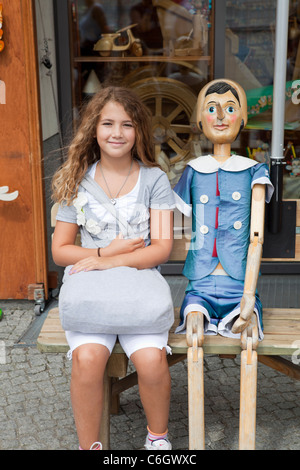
(160, 69)
(172, 104)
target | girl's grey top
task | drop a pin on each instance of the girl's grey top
(154, 193)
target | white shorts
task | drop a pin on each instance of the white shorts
(130, 343)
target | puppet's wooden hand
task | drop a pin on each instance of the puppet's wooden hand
(247, 308)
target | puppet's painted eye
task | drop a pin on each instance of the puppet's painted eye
(230, 109)
(212, 109)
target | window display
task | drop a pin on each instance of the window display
(250, 49)
(166, 51)
(161, 49)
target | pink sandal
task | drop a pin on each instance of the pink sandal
(95, 446)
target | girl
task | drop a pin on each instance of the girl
(113, 145)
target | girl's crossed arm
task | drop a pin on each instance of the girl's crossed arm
(121, 252)
(65, 252)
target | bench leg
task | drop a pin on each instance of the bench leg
(248, 387)
(195, 336)
(104, 436)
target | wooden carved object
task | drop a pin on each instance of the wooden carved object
(107, 43)
(183, 33)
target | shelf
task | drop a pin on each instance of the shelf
(267, 125)
(142, 59)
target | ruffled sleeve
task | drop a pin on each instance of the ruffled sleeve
(67, 214)
(161, 196)
(182, 192)
(261, 175)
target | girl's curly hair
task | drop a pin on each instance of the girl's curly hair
(84, 149)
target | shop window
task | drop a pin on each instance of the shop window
(160, 48)
(250, 53)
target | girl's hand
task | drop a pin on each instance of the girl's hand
(121, 245)
(92, 263)
(108, 259)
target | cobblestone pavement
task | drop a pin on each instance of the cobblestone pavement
(35, 407)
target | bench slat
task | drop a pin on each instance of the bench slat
(281, 330)
(281, 313)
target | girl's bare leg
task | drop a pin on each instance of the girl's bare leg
(154, 386)
(89, 362)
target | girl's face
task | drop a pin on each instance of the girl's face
(115, 131)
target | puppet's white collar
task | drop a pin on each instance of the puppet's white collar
(208, 164)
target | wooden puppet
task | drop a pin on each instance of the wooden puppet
(225, 195)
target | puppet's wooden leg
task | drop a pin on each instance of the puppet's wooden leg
(195, 336)
(248, 387)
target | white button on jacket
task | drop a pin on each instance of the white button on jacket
(204, 198)
(236, 196)
(204, 229)
(237, 225)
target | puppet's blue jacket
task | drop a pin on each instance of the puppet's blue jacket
(218, 198)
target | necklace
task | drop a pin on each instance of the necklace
(113, 199)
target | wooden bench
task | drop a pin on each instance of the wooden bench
(282, 338)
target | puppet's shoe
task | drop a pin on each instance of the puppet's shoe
(158, 444)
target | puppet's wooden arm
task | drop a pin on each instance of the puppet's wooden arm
(254, 257)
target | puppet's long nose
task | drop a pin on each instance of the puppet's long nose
(220, 112)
